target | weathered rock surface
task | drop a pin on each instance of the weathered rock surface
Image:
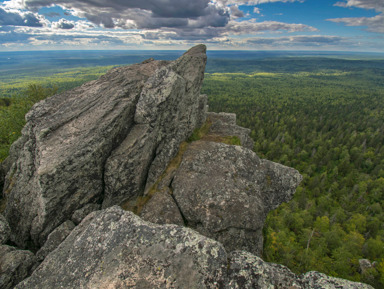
(101, 142)
(54, 239)
(169, 109)
(116, 249)
(15, 266)
(224, 191)
(364, 264)
(5, 230)
(162, 209)
(224, 124)
(318, 280)
(80, 214)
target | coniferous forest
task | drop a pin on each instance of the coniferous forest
(329, 125)
(322, 116)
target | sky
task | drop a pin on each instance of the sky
(317, 25)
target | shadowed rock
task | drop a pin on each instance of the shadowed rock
(162, 209)
(80, 214)
(224, 124)
(54, 239)
(15, 266)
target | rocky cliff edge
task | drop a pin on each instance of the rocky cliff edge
(140, 138)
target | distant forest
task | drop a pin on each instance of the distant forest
(323, 116)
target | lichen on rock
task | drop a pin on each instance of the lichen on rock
(113, 248)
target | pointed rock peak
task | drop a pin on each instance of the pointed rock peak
(78, 147)
(198, 49)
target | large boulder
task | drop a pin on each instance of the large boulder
(223, 191)
(15, 266)
(101, 143)
(116, 249)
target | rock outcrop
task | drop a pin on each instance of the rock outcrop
(101, 143)
(55, 239)
(120, 142)
(15, 266)
(224, 191)
(116, 249)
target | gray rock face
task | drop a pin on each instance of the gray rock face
(102, 142)
(248, 271)
(54, 239)
(80, 214)
(5, 230)
(168, 110)
(2, 177)
(162, 209)
(318, 280)
(224, 124)
(364, 264)
(225, 192)
(15, 266)
(116, 249)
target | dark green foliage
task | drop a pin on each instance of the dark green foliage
(330, 126)
(200, 132)
(12, 114)
(232, 140)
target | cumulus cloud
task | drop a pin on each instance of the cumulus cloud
(253, 2)
(63, 24)
(299, 40)
(198, 19)
(373, 24)
(377, 5)
(249, 27)
(234, 28)
(236, 12)
(145, 21)
(145, 14)
(19, 18)
(166, 8)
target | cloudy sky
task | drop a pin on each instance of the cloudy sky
(335, 25)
